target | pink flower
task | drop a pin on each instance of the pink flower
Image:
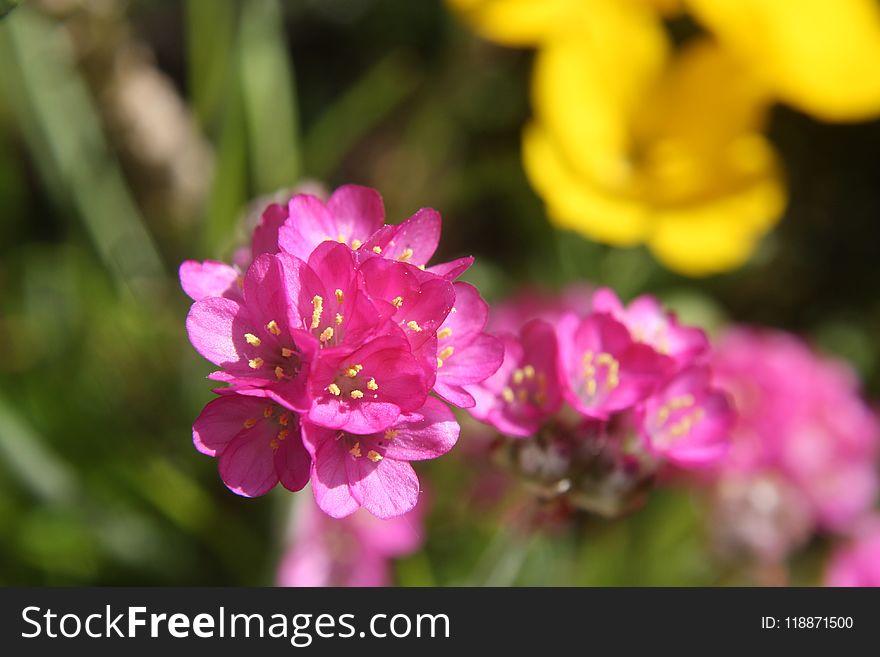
(257, 443)
(372, 470)
(338, 318)
(326, 297)
(602, 370)
(465, 354)
(523, 392)
(858, 562)
(256, 341)
(352, 551)
(801, 417)
(364, 389)
(350, 216)
(687, 421)
(416, 301)
(649, 323)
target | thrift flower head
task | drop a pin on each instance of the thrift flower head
(605, 398)
(340, 327)
(803, 430)
(638, 140)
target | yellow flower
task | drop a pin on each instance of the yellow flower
(636, 141)
(821, 56)
(677, 160)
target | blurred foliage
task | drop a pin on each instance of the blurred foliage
(99, 483)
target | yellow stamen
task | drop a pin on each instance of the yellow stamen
(405, 255)
(397, 302)
(334, 390)
(372, 385)
(391, 434)
(529, 371)
(352, 371)
(507, 393)
(267, 411)
(326, 335)
(339, 319)
(446, 353)
(252, 339)
(356, 394)
(356, 244)
(414, 326)
(591, 387)
(283, 434)
(250, 422)
(283, 419)
(439, 363)
(341, 238)
(444, 333)
(518, 376)
(318, 308)
(279, 372)
(255, 363)
(273, 328)
(356, 450)
(374, 456)
(339, 296)
(377, 250)
(274, 444)
(286, 353)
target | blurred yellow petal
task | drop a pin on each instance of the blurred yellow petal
(520, 22)
(688, 169)
(821, 56)
(720, 234)
(585, 89)
(573, 202)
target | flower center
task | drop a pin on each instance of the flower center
(352, 383)
(601, 372)
(271, 353)
(677, 418)
(277, 416)
(525, 385)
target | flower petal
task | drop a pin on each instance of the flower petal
(386, 489)
(358, 212)
(208, 279)
(247, 464)
(329, 476)
(426, 434)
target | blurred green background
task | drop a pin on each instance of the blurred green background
(134, 134)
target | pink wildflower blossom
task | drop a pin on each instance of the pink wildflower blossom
(649, 323)
(350, 471)
(602, 370)
(524, 392)
(257, 442)
(339, 320)
(687, 421)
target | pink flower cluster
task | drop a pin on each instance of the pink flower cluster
(630, 374)
(804, 450)
(331, 343)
